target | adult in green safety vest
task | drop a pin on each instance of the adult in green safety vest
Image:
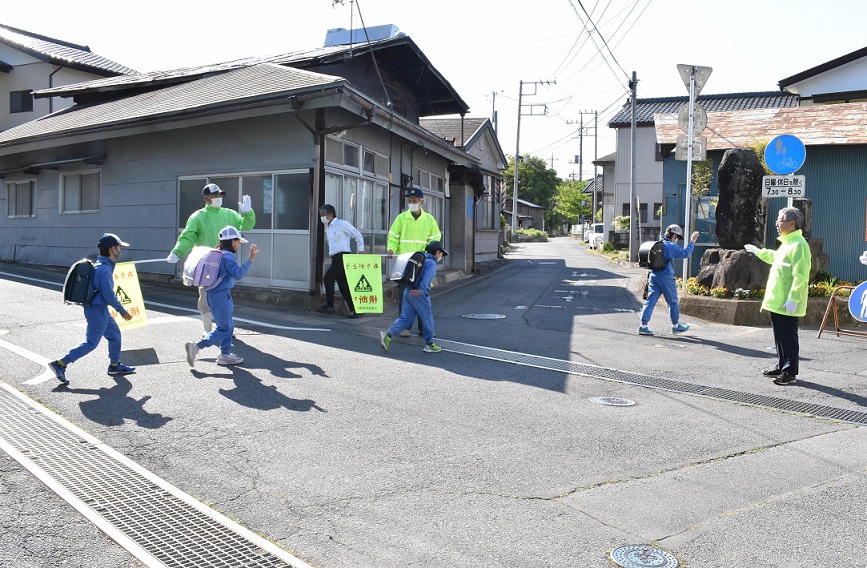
(411, 231)
(786, 291)
(203, 229)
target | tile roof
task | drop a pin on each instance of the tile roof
(450, 128)
(814, 125)
(60, 52)
(593, 185)
(646, 108)
(399, 53)
(256, 84)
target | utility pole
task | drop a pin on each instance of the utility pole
(633, 208)
(494, 109)
(518, 145)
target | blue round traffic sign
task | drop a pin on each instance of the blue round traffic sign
(785, 154)
(858, 302)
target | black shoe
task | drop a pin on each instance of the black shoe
(772, 372)
(785, 378)
(325, 309)
(352, 315)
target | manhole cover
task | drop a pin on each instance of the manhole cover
(636, 556)
(485, 316)
(612, 401)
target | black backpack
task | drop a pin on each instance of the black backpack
(411, 271)
(78, 286)
(650, 255)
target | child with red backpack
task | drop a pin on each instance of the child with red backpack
(220, 299)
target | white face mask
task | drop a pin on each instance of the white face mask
(324, 220)
(216, 202)
(414, 207)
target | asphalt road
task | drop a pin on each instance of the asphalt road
(352, 457)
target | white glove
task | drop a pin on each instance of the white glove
(245, 205)
(751, 249)
(791, 307)
(172, 258)
(863, 258)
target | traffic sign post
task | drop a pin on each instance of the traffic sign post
(694, 77)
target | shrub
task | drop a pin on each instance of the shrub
(742, 294)
(720, 292)
(608, 247)
(533, 234)
(696, 289)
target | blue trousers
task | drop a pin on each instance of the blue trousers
(99, 324)
(222, 306)
(413, 306)
(665, 285)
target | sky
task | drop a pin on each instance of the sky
(574, 57)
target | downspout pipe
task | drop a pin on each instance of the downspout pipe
(51, 86)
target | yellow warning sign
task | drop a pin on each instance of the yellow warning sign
(128, 292)
(364, 275)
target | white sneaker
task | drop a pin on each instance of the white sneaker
(192, 351)
(229, 359)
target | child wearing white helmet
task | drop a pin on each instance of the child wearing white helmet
(661, 282)
(220, 300)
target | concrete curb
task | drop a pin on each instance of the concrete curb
(748, 312)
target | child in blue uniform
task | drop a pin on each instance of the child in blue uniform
(662, 282)
(99, 322)
(220, 299)
(416, 301)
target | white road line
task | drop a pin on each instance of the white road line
(27, 354)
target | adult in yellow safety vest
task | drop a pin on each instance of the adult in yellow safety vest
(786, 291)
(203, 229)
(411, 231)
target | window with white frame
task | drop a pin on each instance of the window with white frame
(280, 199)
(358, 189)
(485, 206)
(80, 191)
(19, 198)
(433, 186)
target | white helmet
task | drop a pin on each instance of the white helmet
(674, 230)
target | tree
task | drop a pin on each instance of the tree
(536, 183)
(571, 203)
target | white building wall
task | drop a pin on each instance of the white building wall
(648, 175)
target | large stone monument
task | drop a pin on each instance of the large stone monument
(740, 216)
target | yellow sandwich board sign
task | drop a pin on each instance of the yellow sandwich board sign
(127, 290)
(364, 276)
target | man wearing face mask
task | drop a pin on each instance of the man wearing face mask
(203, 229)
(339, 233)
(412, 231)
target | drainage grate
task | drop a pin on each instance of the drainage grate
(592, 371)
(153, 520)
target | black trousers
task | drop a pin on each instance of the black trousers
(786, 341)
(337, 273)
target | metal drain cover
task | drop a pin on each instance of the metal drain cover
(486, 316)
(612, 401)
(637, 556)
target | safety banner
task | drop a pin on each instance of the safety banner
(364, 276)
(128, 292)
